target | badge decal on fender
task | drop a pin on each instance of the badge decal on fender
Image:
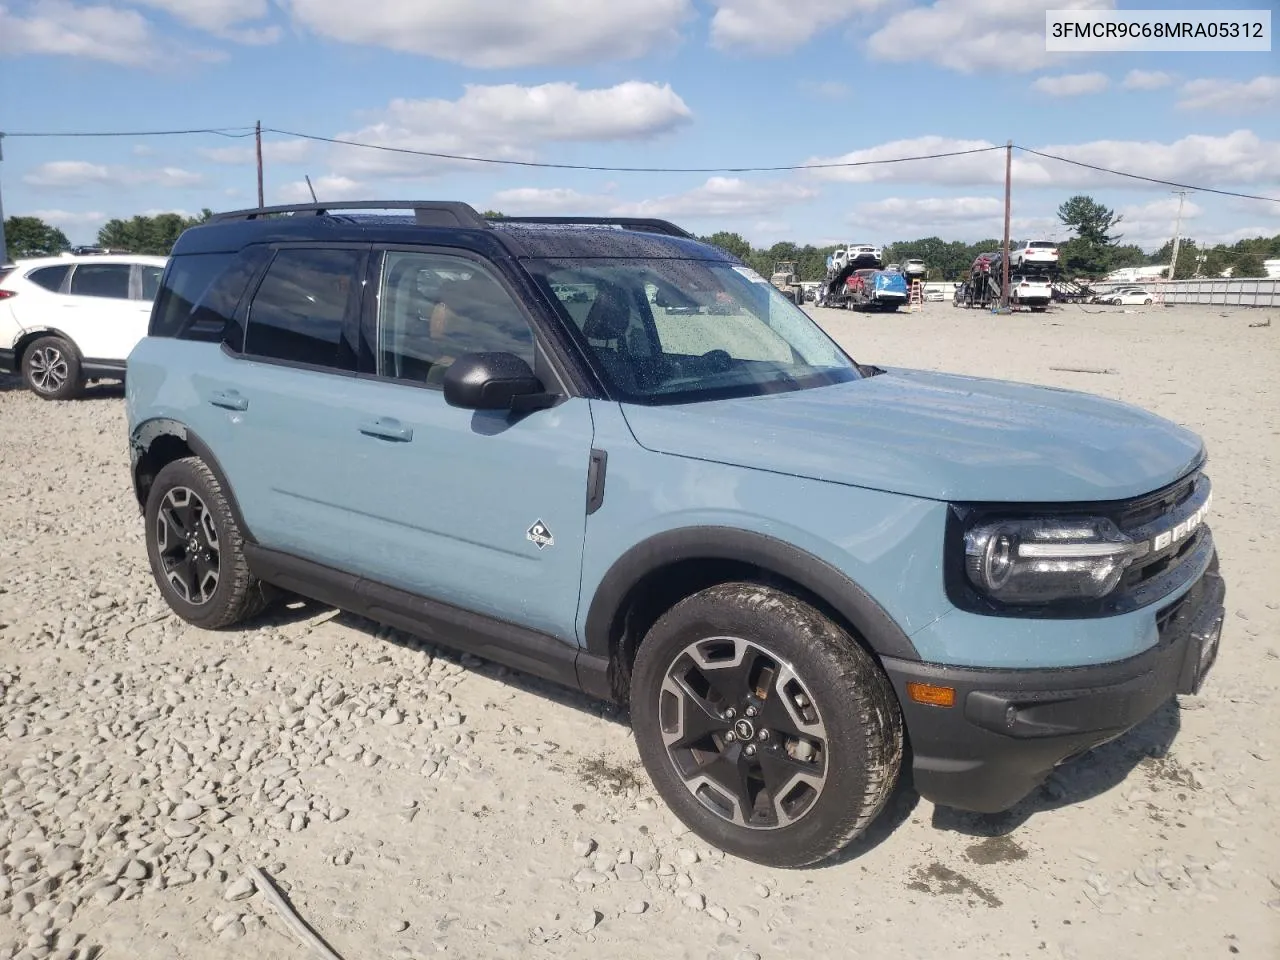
(540, 534)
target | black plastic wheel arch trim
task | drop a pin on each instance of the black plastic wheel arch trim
(149, 431)
(520, 648)
(867, 617)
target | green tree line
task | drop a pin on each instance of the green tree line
(1094, 249)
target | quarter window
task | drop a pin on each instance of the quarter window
(101, 280)
(434, 308)
(49, 277)
(302, 305)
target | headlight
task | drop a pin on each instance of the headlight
(1048, 560)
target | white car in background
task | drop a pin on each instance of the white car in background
(1033, 292)
(67, 320)
(1033, 251)
(1129, 297)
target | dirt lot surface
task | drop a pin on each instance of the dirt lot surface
(413, 803)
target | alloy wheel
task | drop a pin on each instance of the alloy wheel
(743, 733)
(187, 543)
(49, 369)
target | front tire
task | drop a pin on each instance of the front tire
(196, 548)
(765, 727)
(51, 369)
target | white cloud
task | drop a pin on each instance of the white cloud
(1146, 80)
(974, 168)
(719, 198)
(224, 18)
(328, 188)
(778, 26)
(974, 35)
(500, 33)
(70, 219)
(964, 217)
(275, 151)
(1240, 157)
(94, 32)
(1072, 84)
(1151, 224)
(72, 174)
(826, 89)
(1230, 96)
(507, 122)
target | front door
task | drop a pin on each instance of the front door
(477, 509)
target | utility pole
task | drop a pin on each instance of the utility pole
(1008, 207)
(257, 134)
(4, 250)
(1177, 232)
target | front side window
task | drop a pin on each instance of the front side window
(302, 305)
(433, 308)
(49, 277)
(673, 331)
(101, 280)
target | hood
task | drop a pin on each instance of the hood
(940, 436)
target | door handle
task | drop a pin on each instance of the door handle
(229, 400)
(387, 428)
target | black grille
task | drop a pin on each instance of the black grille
(1141, 511)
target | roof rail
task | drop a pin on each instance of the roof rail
(428, 213)
(631, 223)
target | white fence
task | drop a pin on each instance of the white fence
(1225, 293)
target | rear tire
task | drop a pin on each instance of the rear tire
(764, 726)
(51, 369)
(196, 548)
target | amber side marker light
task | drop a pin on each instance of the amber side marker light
(932, 694)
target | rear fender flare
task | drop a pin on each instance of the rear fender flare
(148, 432)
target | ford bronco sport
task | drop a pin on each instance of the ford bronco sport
(606, 453)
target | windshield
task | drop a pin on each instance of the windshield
(674, 331)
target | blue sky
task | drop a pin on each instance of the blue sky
(686, 83)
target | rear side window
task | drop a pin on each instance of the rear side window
(150, 280)
(101, 280)
(49, 277)
(301, 308)
(183, 289)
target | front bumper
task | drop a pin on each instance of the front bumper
(1009, 729)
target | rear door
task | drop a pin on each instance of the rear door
(100, 312)
(279, 401)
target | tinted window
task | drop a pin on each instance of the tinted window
(150, 280)
(1042, 244)
(434, 308)
(183, 289)
(101, 280)
(49, 277)
(301, 306)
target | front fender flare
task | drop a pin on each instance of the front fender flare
(842, 594)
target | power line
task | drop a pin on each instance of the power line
(1138, 176)
(602, 169)
(220, 131)
(249, 131)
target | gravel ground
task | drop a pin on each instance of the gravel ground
(411, 802)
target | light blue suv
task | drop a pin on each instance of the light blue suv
(606, 453)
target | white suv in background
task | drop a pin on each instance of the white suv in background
(67, 320)
(1033, 251)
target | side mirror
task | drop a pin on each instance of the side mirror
(493, 381)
